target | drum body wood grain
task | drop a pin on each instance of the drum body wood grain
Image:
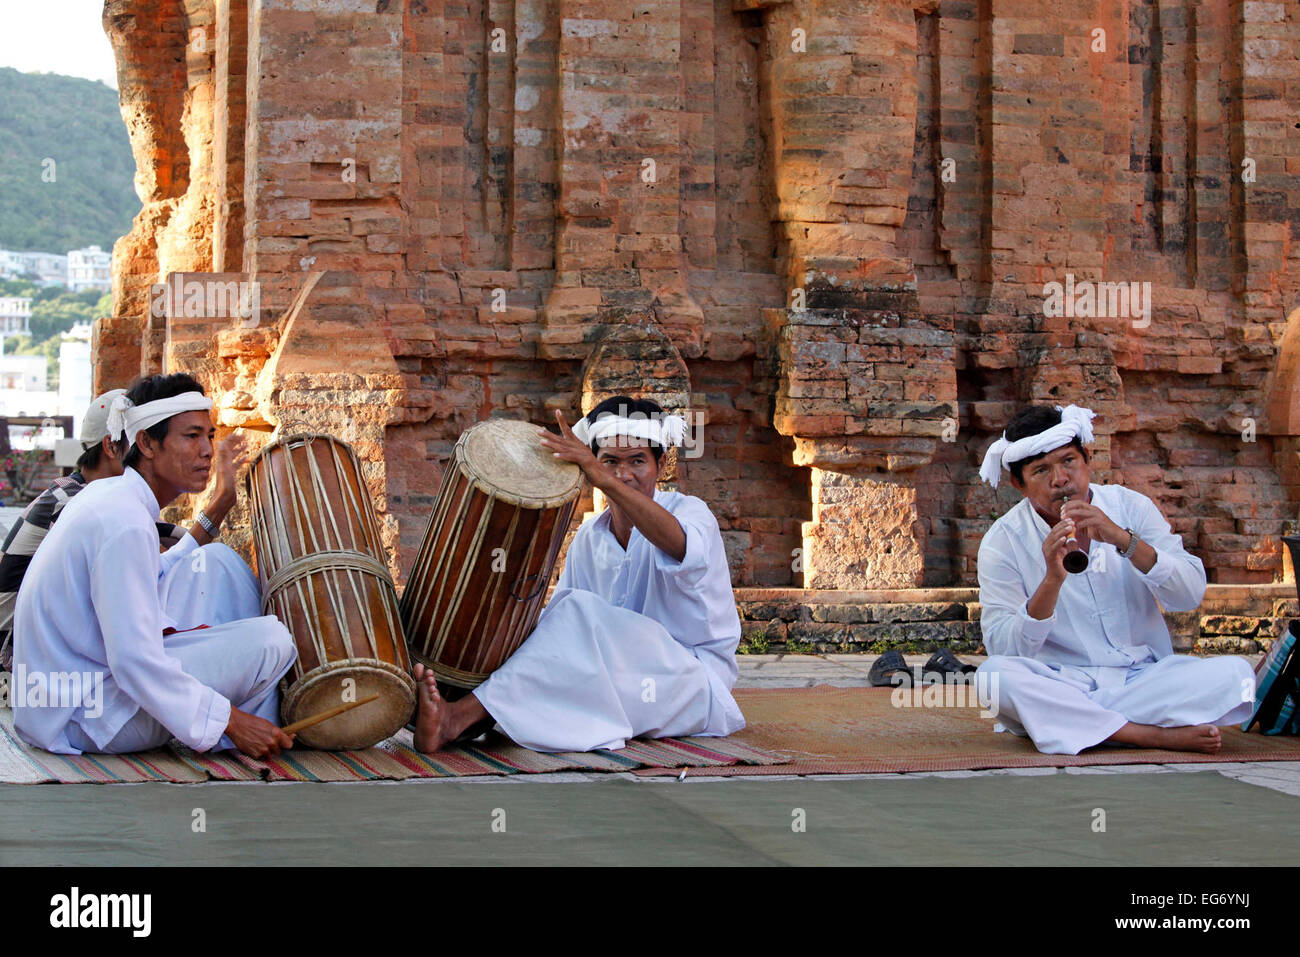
(480, 578)
(322, 570)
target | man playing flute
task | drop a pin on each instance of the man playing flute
(1085, 659)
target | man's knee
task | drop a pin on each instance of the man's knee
(1234, 676)
(227, 557)
(1000, 671)
(576, 601)
(269, 636)
(229, 561)
(281, 641)
(1002, 679)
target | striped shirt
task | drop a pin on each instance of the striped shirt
(26, 536)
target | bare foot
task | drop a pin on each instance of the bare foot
(1205, 738)
(432, 714)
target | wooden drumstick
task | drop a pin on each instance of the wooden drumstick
(325, 715)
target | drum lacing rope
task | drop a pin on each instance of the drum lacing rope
(321, 561)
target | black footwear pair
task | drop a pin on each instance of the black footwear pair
(891, 671)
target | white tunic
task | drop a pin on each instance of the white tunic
(633, 643)
(92, 604)
(1104, 636)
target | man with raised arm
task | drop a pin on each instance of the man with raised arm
(639, 639)
(158, 648)
(101, 457)
(1085, 659)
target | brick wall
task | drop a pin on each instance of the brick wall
(1233, 619)
(837, 218)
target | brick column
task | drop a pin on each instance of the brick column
(323, 195)
(866, 394)
(619, 242)
(164, 88)
(229, 114)
(867, 379)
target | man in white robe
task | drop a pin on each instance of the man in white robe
(187, 593)
(1084, 659)
(118, 648)
(639, 638)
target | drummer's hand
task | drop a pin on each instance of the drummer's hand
(232, 456)
(256, 737)
(569, 448)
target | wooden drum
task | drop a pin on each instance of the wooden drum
(480, 578)
(322, 571)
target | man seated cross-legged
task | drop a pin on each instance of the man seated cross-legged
(640, 636)
(162, 645)
(1085, 659)
(101, 457)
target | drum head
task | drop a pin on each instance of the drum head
(362, 727)
(506, 458)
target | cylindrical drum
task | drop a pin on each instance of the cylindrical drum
(322, 570)
(488, 552)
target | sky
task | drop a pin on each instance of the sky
(56, 36)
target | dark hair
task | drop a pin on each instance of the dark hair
(89, 459)
(1031, 420)
(148, 390)
(631, 408)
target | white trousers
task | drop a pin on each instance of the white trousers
(241, 655)
(1063, 710)
(592, 675)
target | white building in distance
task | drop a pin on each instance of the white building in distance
(23, 374)
(74, 374)
(12, 265)
(90, 268)
(23, 393)
(15, 316)
(49, 269)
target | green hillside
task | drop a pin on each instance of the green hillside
(77, 124)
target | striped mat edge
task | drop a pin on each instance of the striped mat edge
(392, 760)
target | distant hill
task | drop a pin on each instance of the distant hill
(77, 124)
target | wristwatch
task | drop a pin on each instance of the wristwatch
(1133, 542)
(207, 523)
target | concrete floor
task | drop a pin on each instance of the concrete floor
(1184, 820)
(1167, 815)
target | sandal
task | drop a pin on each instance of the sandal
(890, 671)
(944, 663)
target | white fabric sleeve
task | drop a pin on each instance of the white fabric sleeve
(124, 593)
(1177, 579)
(701, 529)
(169, 558)
(1005, 622)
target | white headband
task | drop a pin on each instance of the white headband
(663, 430)
(126, 418)
(1075, 420)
